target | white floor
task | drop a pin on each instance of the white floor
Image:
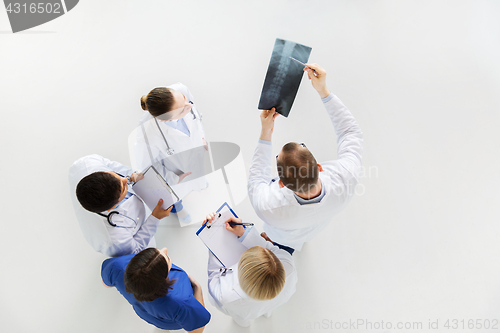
(418, 244)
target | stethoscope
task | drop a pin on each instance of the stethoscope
(108, 217)
(170, 151)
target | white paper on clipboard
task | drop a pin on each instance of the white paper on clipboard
(153, 188)
(221, 242)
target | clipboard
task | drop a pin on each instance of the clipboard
(153, 187)
(224, 245)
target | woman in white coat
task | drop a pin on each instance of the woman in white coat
(171, 135)
(264, 278)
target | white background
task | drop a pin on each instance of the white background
(421, 240)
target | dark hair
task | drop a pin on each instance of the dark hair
(98, 191)
(297, 168)
(158, 101)
(146, 276)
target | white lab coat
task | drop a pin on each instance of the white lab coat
(286, 221)
(226, 294)
(112, 241)
(149, 147)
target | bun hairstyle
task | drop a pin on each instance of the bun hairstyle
(158, 101)
(143, 103)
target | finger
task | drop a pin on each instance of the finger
(317, 68)
(275, 115)
(312, 66)
(169, 208)
(233, 219)
(160, 202)
(311, 74)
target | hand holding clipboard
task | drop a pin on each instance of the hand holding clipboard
(234, 224)
(223, 244)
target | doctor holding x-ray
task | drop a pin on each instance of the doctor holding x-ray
(299, 203)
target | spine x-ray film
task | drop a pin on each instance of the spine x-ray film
(283, 76)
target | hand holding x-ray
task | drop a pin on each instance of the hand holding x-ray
(317, 75)
(267, 119)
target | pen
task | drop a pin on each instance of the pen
(300, 62)
(245, 224)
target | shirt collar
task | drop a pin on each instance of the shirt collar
(176, 268)
(317, 199)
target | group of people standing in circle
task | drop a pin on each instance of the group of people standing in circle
(295, 207)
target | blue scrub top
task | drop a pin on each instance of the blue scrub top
(178, 309)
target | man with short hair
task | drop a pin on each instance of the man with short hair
(114, 220)
(298, 204)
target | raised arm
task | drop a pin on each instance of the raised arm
(260, 169)
(349, 135)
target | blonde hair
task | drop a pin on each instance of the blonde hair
(261, 274)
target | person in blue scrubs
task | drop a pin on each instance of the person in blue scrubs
(160, 292)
